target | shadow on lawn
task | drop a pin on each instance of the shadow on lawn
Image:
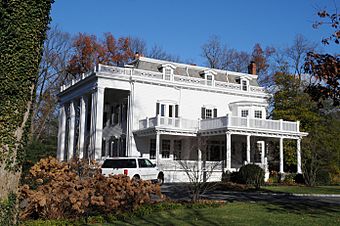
(279, 203)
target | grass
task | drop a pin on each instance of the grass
(240, 213)
(304, 189)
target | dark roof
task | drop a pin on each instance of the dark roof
(191, 70)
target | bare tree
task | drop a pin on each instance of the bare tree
(158, 52)
(218, 55)
(297, 52)
(138, 45)
(198, 173)
(52, 73)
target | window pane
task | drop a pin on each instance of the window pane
(176, 111)
(143, 163)
(167, 74)
(258, 114)
(153, 149)
(162, 110)
(208, 113)
(170, 110)
(244, 113)
(177, 149)
(165, 148)
(119, 163)
(244, 86)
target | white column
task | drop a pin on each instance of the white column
(71, 131)
(199, 160)
(281, 155)
(228, 150)
(99, 122)
(96, 130)
(61, 134)
(82, 125)
(298, 155)
(157, 147)
(248, 149)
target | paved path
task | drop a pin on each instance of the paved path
(180, 192)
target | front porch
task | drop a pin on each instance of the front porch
(214, 145)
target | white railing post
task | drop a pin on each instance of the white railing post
(228, 120)
(248, 121)
(281, 124)
(158, 121)
(297, 126)
(198, 123)
(147, 122)
(179, 122)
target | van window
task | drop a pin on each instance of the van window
(144, 163)
(119, 163)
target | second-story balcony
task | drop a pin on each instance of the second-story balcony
(228, 122)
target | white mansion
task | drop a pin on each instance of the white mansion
(157, 109)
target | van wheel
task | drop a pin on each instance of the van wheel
(136, 177)
(160, 178)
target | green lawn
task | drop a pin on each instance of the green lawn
(239, 213)
(234, 213)
(304, 189)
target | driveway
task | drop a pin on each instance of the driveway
(181, 192)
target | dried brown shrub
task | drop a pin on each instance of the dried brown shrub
(62, 190)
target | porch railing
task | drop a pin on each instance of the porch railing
(190, 165)
(145, 74)
(220, 122)
(181, 123)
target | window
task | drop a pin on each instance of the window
(177, 149)
(162, 109)
(153, 149)
(167, 73)
(144, 163)
(258, 114)
(209, 80)
(176, 111)
(208, 113)
(244, 113)
(119, 163)
(244, 84)
(165, 148)
(169, 110)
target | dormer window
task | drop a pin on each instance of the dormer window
(209, 76)
(168, 71)
(244, 84)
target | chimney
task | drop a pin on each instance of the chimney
(137, 55)
(252, 68)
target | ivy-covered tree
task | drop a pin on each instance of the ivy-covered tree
(23, 26)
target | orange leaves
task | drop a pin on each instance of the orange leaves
(61, 190)
(89, 52)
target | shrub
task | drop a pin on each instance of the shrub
(75, 189)
(273, 177)
(299, 178)
(289, 179)
(252, 174)
(323, 177)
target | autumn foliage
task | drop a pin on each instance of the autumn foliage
(70, 190)
(89, 51)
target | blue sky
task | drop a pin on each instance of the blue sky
(182, 26)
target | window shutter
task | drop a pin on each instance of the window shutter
(157, 109)
(203, 113)
(176, 111)
(215, 112)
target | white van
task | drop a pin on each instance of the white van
(134, 167)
